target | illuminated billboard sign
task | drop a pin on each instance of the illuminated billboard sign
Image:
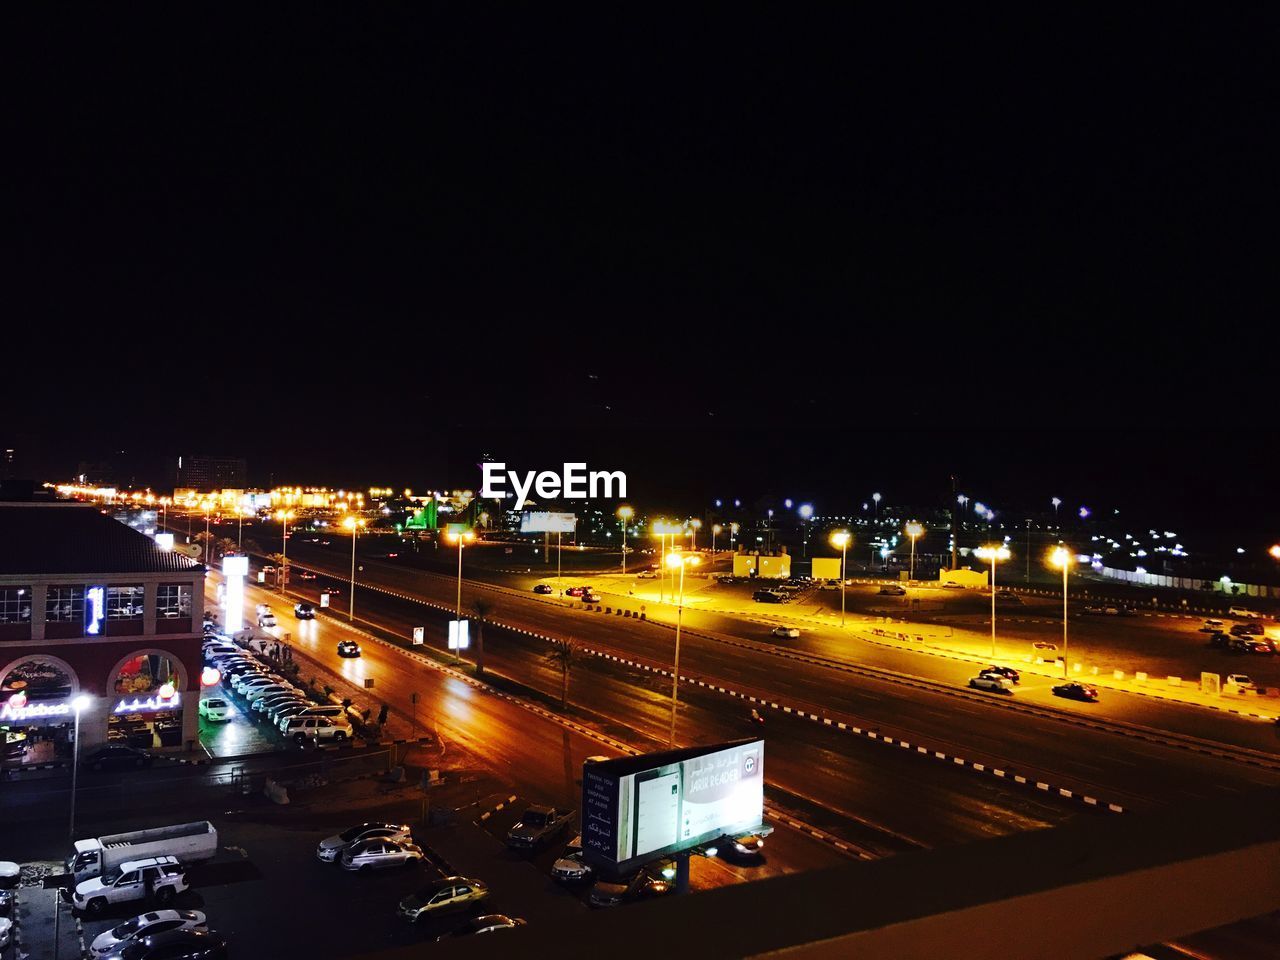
(543, 522)
(639, 809)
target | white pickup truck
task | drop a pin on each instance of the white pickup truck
(188, 843)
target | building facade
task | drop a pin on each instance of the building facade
(92, 608)
(203, 472)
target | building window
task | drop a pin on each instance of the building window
(15, 604)
(124, 603)
(64, 605)
(173, 600)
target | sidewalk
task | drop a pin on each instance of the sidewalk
(34, 922)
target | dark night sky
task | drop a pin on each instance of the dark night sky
(814, 257)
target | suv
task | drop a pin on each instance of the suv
(332, 711)
(303, 728)
(157, 878)
(992, 682)
(1244, 612)
(538, 825)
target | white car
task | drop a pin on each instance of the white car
(256, 693)
(791, 633)
(989, 681)
(266, 620)
(648, 575)
(157, 921)
(1242, 681)
(330, 849)
(1244, 613)
(162, 877)
(830, 585)
(215, 709)
(365, 855)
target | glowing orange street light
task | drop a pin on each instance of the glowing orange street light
(1275, 551)
(842, 539)
(914, 530)
(354, 524)
(991, 554)
(625, 513)
(679, 561)
(461, 539)
(1061, 557)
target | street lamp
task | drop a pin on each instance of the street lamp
(806, 513)
(694, 526)
(716, 529)
(1061, 557)
(459, 538)
(353, 524)
(282, 577)
(841, 539)
(625, 513)
(208, 552)
(914, 530)
(876, 511)
(992, 554)
(677, 560)
(78, 705)
(1275, 551)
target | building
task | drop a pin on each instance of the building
(90, 606)
(203, 472)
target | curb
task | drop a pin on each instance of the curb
(489, 813)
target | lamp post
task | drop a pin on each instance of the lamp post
(914, 530)
(694, 526)
(78, 704)
(806, 514)
(875, 497)
(460, 538)
(353, 524)
(625, 513)
(659, 529)
(679, 560)
(284, 516)
(841, 539)
(715, 531)
(992, 554)
(1061, 557)
(208, 547)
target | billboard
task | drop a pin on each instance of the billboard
(826, 568)
(543, 522)
(639, 809)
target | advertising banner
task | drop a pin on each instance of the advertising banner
(639, 809)
(543, 522)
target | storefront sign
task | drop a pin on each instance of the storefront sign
(19, 710)
(96, 597)
(149, 705)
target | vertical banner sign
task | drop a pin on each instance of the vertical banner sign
(324, 599)
(234, 570)
(1211, 684)
(459, 638)
(418, 636)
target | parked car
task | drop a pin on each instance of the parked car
(642, 886)
(543, 588)
(303, 728)
(1213, 626)
(304, 611)
(591, 597)
(790, 633)
(1244, 612)
(1007, 596)
(214, 709)
(442, 896)
(538, 825)
(158, 878)
(1009, 673)
(993, 682)
(1242, 681)
(1260, 645)
(146, 925)
(486, 923)
(952, 585)
(572, 867)
(830, 585)
(114, 756)
(1075, 690)
(348, 648)
(330, 849)
(893, 590)
(1220, 640)
(317, 710)
(256, 693)
(269, 700)
(651, 575)
(290, 707)
(380, 853)
(175, 945)
(767, 596)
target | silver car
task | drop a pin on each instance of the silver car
(380, 852)
(330, 848)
